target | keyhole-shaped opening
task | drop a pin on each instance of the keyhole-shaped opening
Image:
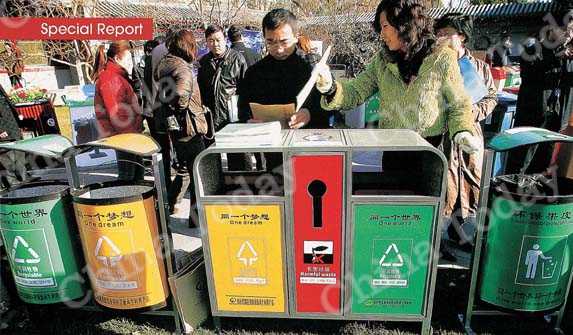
(316, 189)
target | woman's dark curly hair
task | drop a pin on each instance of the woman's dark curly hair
(409, 18)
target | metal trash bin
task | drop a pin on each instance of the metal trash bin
(536, 241)
(523, 258)
(120, 238)
(40, 236)
(318, 236)
(41, 240)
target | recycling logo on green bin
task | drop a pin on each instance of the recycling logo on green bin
(391, 262)
(540, 260)
(30, 258)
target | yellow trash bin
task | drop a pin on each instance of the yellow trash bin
(120, 238)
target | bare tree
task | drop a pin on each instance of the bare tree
(222, 12)
(77, 53)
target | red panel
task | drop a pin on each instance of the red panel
(318, 242)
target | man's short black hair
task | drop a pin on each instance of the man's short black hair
(278, 17)
(235, 33)
(212, 29)
(463, 24)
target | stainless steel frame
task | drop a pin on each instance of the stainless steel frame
(166, 240)
(345, 147)
(472, 307)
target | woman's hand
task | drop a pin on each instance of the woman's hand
(468, 142)
(324, 81)
(299, 119)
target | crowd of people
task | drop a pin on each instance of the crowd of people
(186, 100)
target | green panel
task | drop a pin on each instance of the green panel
(41, 251)
(527, 261)
(391, 253)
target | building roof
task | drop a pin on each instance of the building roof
(508, 10)
(167, 12)
(160, 12)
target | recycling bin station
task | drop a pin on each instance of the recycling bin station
(523, 256)
(330, 225)
(41, 240)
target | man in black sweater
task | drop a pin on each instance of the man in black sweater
(280, 76)
(236, 37)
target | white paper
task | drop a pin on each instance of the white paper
(307, 88)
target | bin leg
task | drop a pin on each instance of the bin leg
(427, 326)
(217, 324)
(482, 215)
(561, 311)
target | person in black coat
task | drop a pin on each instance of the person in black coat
(545, 96)
(279, 77)
(220, 72)
(236, 37)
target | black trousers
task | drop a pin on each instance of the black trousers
(186, 152)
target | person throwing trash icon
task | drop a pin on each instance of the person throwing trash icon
(531, 260)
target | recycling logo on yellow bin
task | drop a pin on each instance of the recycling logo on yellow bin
(107, 252)
(248, 264)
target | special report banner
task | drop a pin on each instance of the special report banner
(42, 28)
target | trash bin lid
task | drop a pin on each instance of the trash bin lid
(522, 136)
(46, 145)
(138, 144)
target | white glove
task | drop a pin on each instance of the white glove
(324, 81)
(468, 142)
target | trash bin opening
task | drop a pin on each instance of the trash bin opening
(417, 173)
(534, 187)
(33, 192)
(242, 174)
(113, 193)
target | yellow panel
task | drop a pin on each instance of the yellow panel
(123, 254)
(64, 121)
(246, 254)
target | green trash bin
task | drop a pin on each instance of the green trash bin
(528, 255)
(39, 230)
(41, 240)
(529, 249)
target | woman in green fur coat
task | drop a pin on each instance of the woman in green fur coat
(420, 84)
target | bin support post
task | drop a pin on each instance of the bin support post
(561, 312)
(482, 215)
(159, 177)
(72, 172)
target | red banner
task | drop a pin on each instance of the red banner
(43, 28)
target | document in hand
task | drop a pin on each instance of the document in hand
(283, 112)
(249, 134)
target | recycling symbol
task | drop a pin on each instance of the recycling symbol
(30, 257)
(398, 260)
(247, 254)
(107, 252)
